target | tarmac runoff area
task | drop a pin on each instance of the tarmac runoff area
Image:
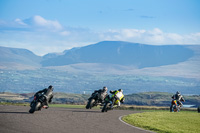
(17, 119)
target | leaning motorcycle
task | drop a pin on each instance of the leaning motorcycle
(37, 103)
(108, 102)
(94, 100)
(174, 106)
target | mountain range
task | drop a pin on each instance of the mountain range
(107, 52)
(136, 67)
(12, 58)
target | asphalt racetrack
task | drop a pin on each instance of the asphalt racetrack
(16, 119)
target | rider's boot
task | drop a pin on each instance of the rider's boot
(46, 106)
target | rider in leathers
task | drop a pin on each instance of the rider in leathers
(178, 97)
(102, 93)
(48, 93)
(118, 95)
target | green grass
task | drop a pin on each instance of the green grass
(17, 104)
(166, 122)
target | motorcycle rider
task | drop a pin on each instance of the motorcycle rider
(48, 93)
(102, 93)
(117, 95)
(178, 97)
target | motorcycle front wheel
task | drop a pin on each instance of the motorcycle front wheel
(35, 107)
(105, 108)
(90, 104)
(171, 107)
(32, 109)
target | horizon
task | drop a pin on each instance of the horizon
(60, 52)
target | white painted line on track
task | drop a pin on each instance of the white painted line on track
(120, 118)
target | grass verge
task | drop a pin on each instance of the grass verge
(16, 104)
(166, 122)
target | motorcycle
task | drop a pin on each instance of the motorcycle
(94, 100)
(174, 106)
(108, 102)
(37, 103)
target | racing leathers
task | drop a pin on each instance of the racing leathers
(117, 95)
(178, 97)
(102, 93)
(48, 94)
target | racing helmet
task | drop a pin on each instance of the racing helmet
(105, 88)
(178, 93)
(120, 90)
(50, 87)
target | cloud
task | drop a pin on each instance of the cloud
(155, 36)
(65, 33)
(49, 24)
(32, 24)
(19, 21)
(43, 36)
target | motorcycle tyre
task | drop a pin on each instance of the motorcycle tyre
(35, 107)
(32, 110)
(171, 107)
(88, 105)
(91, 103)
(38, 106)
(104, 109)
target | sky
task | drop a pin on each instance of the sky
(46, 26)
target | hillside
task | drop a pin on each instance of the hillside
(121, 53)
(147, 98)
(18, 58)
(112, 64)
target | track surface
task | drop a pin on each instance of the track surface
(16, 119)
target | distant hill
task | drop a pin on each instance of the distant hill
(147, 98)
(16, 57)
(121, 53)
(131, 66)
(106, 52)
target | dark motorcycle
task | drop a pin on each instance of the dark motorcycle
(174, 106)
(94, 100)
(37, 103)
(108, 102)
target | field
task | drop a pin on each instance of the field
(29, 81)
(166, 122)
(12, 96)
(139, 99)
